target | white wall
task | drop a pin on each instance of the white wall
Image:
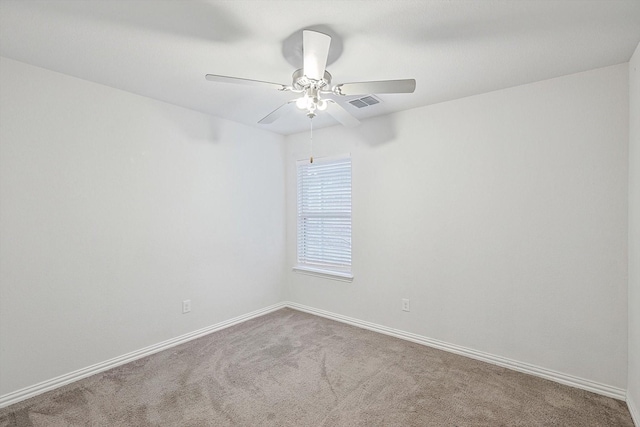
(502, 217)
(633, 381)
(114, 209)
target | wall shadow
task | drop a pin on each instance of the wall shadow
(376, 131)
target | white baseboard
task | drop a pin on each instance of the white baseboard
(34, 390)
(570, 380)
(603, 389)
(635, 413)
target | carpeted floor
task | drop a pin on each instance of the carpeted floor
(289, 368)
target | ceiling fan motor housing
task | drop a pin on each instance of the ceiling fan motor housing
(302, 82)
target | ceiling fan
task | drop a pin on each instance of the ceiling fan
(313, 82)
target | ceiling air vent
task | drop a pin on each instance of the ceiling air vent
(364, 101)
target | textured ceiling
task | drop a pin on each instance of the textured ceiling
(162, 49)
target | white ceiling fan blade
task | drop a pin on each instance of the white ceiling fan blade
(246, 82)
(384, 86)
(336, 111)
(277, 113)
(315, 51)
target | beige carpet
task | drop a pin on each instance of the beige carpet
(289, 368)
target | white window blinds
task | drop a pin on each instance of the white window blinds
(324, 214)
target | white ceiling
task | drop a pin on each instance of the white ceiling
(162, 49)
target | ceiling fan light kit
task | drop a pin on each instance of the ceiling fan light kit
(312, 91)
(313, 82)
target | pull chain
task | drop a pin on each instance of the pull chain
(311, 157)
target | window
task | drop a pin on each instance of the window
(324, 217)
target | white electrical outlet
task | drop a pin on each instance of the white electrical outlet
(405, 304)
(186, 306)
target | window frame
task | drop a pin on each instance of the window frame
(328, 271)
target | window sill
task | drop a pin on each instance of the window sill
(327, 274)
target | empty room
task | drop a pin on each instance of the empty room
(319, 213)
